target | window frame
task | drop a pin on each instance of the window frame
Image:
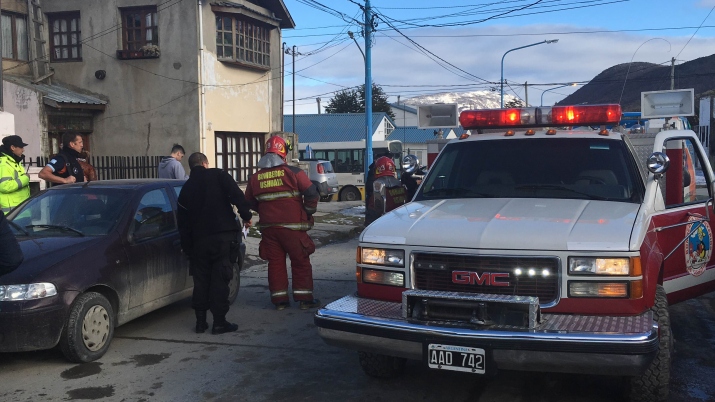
(67, 17)
(237, 161)
(143, 29)
(258, 44)
(13, 29)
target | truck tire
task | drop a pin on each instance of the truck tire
(381, 366)
(653, 385)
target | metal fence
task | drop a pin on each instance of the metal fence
(115, 167)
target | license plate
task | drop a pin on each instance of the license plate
(456, 358)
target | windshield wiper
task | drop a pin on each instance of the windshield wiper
(60, 227)
(563, 188)
(454, 191)
(18, 227)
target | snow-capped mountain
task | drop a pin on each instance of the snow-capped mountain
(465, 100)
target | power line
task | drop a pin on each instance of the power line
(696, 31)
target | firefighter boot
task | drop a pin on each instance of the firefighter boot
(307, 304)
(201, 324)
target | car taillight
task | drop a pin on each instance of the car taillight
(320, 168)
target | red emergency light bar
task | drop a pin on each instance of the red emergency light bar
(579, 115)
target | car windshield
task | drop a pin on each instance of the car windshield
(71, 212)
(577, 168)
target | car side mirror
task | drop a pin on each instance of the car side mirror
(686, 178)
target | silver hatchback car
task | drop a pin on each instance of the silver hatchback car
(321, 173)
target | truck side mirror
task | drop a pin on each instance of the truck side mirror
(686, 178)
(658, 163)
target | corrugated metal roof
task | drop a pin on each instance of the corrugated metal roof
(331, 127)
(278, 8)
(63, 95)
(56, 95)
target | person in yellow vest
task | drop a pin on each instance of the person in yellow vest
(14, 181)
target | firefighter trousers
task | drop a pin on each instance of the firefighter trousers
(278, 242)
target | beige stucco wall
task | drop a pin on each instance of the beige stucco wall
(25, 105)
(239, 99)
(153, 103)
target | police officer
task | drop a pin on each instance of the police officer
(64, 168)
(14, 182)
(210, 237)
(286, 200)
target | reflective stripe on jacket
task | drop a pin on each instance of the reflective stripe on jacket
(14, 183)
(284, 197)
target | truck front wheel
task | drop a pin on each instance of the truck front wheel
(653, 385)
(381, 366)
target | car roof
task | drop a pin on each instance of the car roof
(123, 183)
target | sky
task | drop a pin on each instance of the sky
(424, 47)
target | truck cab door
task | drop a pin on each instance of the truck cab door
(684, 221)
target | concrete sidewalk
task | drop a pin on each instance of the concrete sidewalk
(334, 221)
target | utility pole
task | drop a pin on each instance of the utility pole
(293, 53)
(283, 84)
(368, 87)
(526, 93)
(318, 99)
(672, 73)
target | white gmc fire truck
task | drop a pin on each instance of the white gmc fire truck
(539, 249)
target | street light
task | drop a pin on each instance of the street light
(501, 82)
(551, 89)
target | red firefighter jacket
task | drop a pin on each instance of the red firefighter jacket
(283, 196)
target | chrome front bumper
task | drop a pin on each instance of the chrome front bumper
(560, 343)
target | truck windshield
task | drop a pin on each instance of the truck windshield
(576, 168)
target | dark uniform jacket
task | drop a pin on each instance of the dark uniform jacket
(65, 164)
(10, 253)
(284, 197)
(205, 205)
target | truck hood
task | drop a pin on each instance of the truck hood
(516, 224)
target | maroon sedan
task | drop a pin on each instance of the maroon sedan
(97, 255)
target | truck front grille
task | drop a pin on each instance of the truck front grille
(437, 272)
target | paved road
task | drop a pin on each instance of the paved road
(277, 356)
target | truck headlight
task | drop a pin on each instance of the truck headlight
(383, 277)
(27, 292)
(379, 256)
(599, 266)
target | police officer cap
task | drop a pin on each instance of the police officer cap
(15, 140)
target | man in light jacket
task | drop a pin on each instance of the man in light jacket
(170, 166)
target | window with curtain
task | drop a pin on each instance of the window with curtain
(242, 40)
(238, 153)
(139, 27)
(65, 33)
(14, 36)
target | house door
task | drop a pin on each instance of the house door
(59, 123)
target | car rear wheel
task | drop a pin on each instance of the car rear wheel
(381, 366)
(89, 328)
(350, 194)
(234, 284)
(653, 385)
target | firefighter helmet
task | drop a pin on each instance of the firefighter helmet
(384, 166)
(279, 146)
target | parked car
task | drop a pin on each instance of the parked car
(97, 255)
(321, 173)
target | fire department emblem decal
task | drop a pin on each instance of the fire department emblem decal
(698, 246)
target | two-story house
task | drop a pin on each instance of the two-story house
(136, 76)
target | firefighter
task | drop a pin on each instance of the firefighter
(14, 182)
(285, 200)
(388, 193)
